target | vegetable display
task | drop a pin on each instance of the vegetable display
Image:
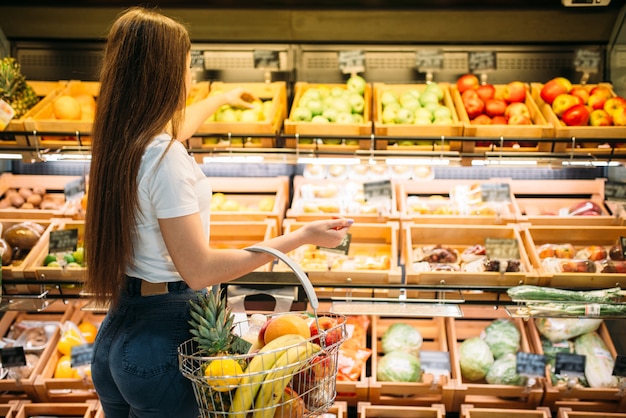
(502, 337)
(599, 362)
(402, 337)
(399, 366)
(475, 358)
(541, 293)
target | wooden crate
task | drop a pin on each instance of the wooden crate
(292, 127)
(459, 238)
(546, 202)
(9, 409)
(65, 409)
(44, 121)
(579, 398)
(351, 392)
(469, 411)
(54, 186)
(320, 198)
(524, 135)
(607, 236)
(370, 243)
(578, 132)
(25, 389)
(241, 234)
(275, 91)
(569, 413)
(431, 389)
(411, 130)
(248, 192)
(367, 410)
(45, 91)
(19, 269)
(52, 389)
(429, 202)
(480, 393)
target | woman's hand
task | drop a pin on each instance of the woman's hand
(239, 97)
(327, 233)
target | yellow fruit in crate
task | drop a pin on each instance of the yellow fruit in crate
(230, 206)
(266, 204)
(66, 107)
(69, 339)
(223, 374)
(63, 369)
(88, 331)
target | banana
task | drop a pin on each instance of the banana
(256, 370)
(277, 380)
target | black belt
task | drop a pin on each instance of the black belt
(140, 287)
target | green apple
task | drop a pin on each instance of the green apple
(428, 97)
(357, 84)
(357, 118)
(302, 114)
(332, 141)
(319, 119)
(435, 88)
(422, 121)
(342, 105)
(79, 255)
(250, 115)
(411, 104)
(324, 91)
(432, 106)
(388, 97)
(352, 142)
(423, 113)
(357, 103)
(442, 121)
(312, 93)
(389, 115)
(411, 94)
(404, 116)
(337, 91)
(344, 117)
(315, 106)
(405, 143)
(226, 115)
(330, 113)
(442, 112)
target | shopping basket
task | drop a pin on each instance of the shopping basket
(297, 379)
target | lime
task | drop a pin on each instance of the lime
(49, 259)
(79, 255)
(69, 258)
(54, 264)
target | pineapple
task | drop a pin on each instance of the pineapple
(13, 87)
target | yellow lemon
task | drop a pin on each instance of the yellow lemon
(64, 369)
(223, 374)
(69, 339)
(88, 331)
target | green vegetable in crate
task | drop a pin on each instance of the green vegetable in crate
(399, 366)
(559, 329)
(503, 371)
(13, 87)
(599, 363)
(475, 358)
(502, 337)
(541, 293)
(402, 337)
(550, 350)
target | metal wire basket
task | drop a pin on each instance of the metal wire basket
(293, 377)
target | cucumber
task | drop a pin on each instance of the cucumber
(541, 293)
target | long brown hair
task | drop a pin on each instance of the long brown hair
(142, 92)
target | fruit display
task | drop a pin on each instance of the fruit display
(18, 239)
(470, 259)
(414, 110)
(565, 258)
(330, 109)
(500, 111)
(233, 203)
(14, 89)
(31, 198)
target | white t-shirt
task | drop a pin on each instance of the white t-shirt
(170, 186)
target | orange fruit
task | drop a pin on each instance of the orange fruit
(69, 339)
(286, 324)
(64, 370)
(88, 331)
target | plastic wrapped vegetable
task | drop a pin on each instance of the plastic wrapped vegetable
(502, 337)
(599, 363)
(475, 358)
(399, 366)
(559, 329)
(503, 371)
(402, 337)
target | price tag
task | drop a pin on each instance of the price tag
(614, 191)
(352, 62)
(482, 61)
(266, 58)
(495, 192)
(570, 364)
(619, 369)
(343, 248)
(377, 190)
(63, 240)
(6, 114)
(587, 60)
(81, 355)
(74, 189)
(436, 363)
(531, 364)
(429, 59)
(502, 248)
(197, 59)
(13, 357)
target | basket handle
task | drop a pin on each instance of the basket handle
(300, 274)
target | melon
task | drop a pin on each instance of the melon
(67, 107)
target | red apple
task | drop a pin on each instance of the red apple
(515, 91)
(577, 115)
(519, 119)
(486, 92)
(601, 90)
(562, 102)
(481, 119)
(495, 107)
(467, 82)
(619, 117)
(498, 120)
(614, 103)
(474, 106)
(554, 87)
(262, 332)
(330, 330)
(580, 92)
(599, 117)
(516, 108)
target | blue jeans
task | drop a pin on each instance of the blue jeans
(135, 366)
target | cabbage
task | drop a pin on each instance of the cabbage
(399, 366)
(503, 371)
(475, 358)
(402, 337)
(502, 337)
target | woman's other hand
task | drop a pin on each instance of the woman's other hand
(327, 233)
(239, 97)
